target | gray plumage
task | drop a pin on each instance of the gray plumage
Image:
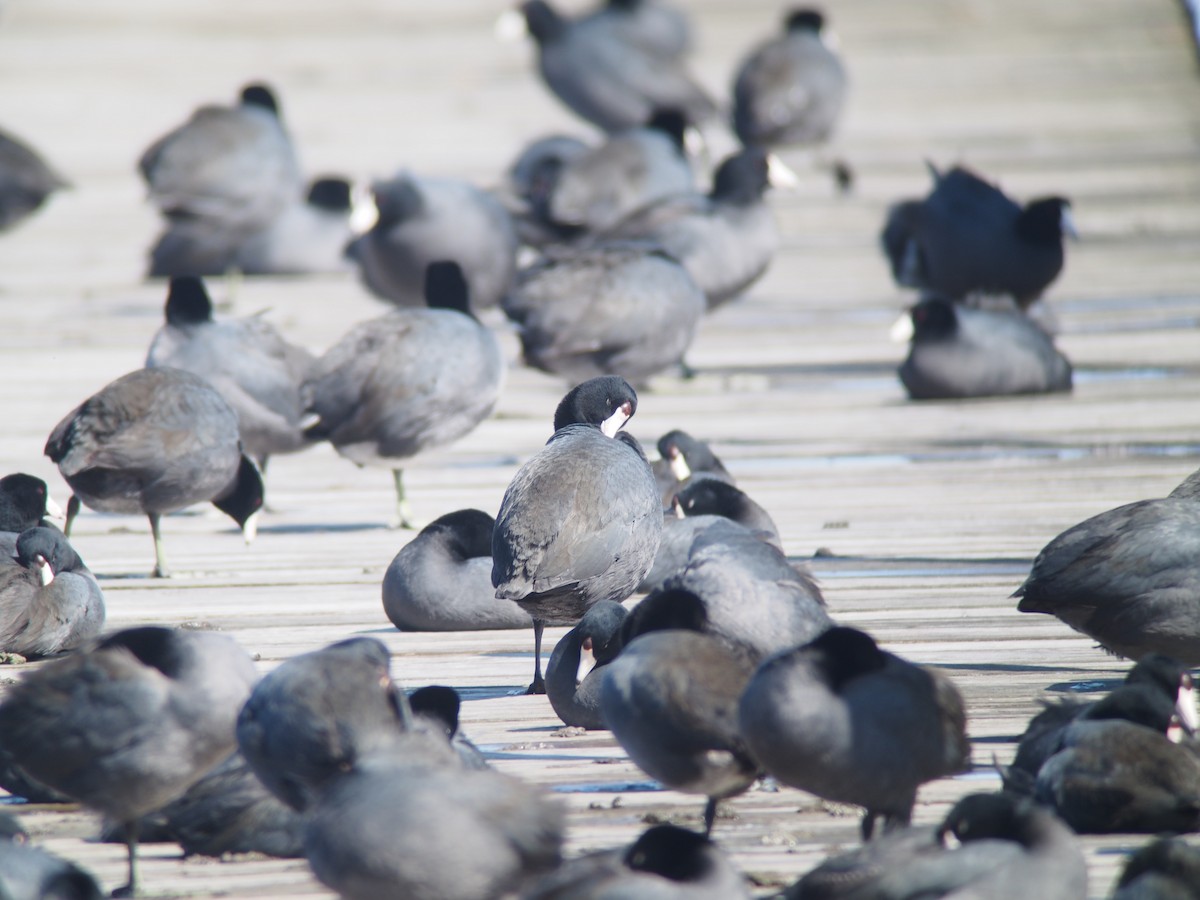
(441, 580)
(32, 873)
(1008, 848)
(1129, 577)
(664, 863)
(725, 239)
(623, 309)
(580, 522)
(791, 88)
(654, 26)
(248, 361)
(682, 458)
(153, 442)
(129, 724)
(308, 235)
(612, 83)
(529, 185)
(717, 497)
(576, 667)
(49, 601)
(388, 828)
(852, 723)
(967, 236)
(230, 164)
(408, 381)
(426, 220)
(1164, 869)
(26, 181)
(670, 699)
(960, 351)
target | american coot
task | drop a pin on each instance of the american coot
(49, 601)
(791, 88)
(576, 666)
(610, 82)
(715, 497)
(148, 710)
(742, 591)
(725, 239)
(1164, 869)
(623, 309)
(247, 360)
(408, 381)
(308, 235)
(1128, 578)
(852, 723)
(318, 712)
(25, 503)
(961, 351)
(153, 442)
(441, 580)
(681, 458)
(31, 873)
(26, 181)
(652, 25)
(428, 220)
(234, 165)
(529, 186)
(967, 236)
(670, 699)
(1008, 848)
(597, 188)
(581, 521)
(388, 827)
(664, 863)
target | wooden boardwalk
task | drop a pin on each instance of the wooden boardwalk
(927, 515)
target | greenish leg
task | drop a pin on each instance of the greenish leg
(160, 557)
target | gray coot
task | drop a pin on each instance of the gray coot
(610, 82)
(670, 699)
(1128, 578)
(25, 503)
(49, 601)
(790, 89)
(441, 580)
(148, 710)
(742, 591)
(230, 164)
(624, 308)
(961, 351)
(247, 360)
(1164, 869)
(852, 723)
(31, 873)
(968, 237)
(153, 442)
(1007, 847)
(308, 235)
(681, 458)
(716, 497)
(576, 667)
(428, 220)
(529, 185)
(318, 712)
(725, 239)
(26, 181)
(653, 25)
(408, 381)
(664, 863)
(387, 826)
(595, 189)
(581, 521)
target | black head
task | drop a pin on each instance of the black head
(22, 501)
(49, 544)
(437, 702)
(446, 287)
(1045, 221)
(332, 194)
(934, 319)
(805, 19)
(742, 178)
(543, 21)
(601, 626)
(470, 531)
(261, 96)
(1160, 672)
(246, 496)
(674, 853)
(1172, 857)
(154, 646)
(712, 497)
(607, 399)
(982, 816)
(696, 453)
(397, 201)
(1143, 704)
(188, 302)
(846, 653)
(667, 609)
(671, 122)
